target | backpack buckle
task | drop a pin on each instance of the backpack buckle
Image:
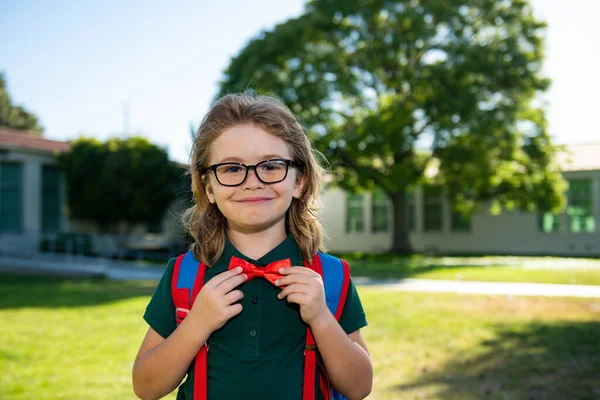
(310, 347)
(180, 314)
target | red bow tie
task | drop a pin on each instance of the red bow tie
(270, 272)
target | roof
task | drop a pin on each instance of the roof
(580, 157)
(23, 140)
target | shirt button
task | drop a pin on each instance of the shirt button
(252, 332)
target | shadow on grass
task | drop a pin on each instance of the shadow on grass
(397, 271)
(541, 361)
(397, 266)
(20, 291)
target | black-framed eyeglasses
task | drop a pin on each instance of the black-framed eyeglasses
(268, 171)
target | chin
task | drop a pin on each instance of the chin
(258, 224)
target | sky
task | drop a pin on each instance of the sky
(79, 65)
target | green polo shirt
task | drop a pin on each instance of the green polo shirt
(258, 354)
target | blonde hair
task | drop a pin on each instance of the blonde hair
(205, 222)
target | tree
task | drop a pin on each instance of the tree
(388, 89)
(128, 180)
(15, 117)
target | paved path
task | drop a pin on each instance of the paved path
(83, 266)
(490, 288)
(119, 270)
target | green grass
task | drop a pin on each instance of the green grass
(491, 269)
(447, 346)
(76, 339)
(480, 268)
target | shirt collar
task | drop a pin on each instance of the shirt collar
(286, 249)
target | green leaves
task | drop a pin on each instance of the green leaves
(127, 180)
(384, 86)
(13, 116)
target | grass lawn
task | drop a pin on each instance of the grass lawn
(479, 268)
(491, 269)
(76, 339)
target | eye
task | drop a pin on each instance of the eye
(272, 166)
(230, 169)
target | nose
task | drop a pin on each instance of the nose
(252, 181)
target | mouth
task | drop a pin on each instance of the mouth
(254, 200)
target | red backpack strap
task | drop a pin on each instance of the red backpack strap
(336, 281)
(187, 281)
(181, 295)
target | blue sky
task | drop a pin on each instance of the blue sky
(75, 63)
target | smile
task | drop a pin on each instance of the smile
(255, 200)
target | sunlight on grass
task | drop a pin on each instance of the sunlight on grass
(439, 346)
(448, 346)
(479, 269)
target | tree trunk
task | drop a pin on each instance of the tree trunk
(400, 241)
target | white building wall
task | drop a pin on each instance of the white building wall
(32, 195)
(28, 240)
(333, 216)
(507, 233)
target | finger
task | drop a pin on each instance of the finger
(297, 298)
(233, 310)
(293, 288)
(222, 277)
(297, 270)
(233, 296)
(231, 283)
(295, 278)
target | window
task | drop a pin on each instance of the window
(549, 222)
(355, 215)
(460, 222)
(380, 209)
(11, 197)
(579, 207)
(51, 204)
(432, 208)
(411, 217)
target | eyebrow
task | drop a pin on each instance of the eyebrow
(237, 159)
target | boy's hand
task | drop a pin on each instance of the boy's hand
(305, 288)
(214, 305)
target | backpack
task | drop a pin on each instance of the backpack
(188, 279)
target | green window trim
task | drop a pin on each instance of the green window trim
(549, 222)
(580, 206)
(380, 212)
(355, 218)
(432, 208)
(11, 197)
(51, 199)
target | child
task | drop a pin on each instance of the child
(256, 182)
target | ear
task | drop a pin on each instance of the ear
(208, 188)
(299, 185)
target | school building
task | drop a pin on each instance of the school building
(33, 210)
(363, 222)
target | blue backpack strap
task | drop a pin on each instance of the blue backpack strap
(188, 279)
(186, 272)
(336, 280)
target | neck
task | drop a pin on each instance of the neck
(255, 244)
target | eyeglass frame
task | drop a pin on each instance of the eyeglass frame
(288, 164)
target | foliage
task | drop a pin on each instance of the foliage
(13, 116)
(397, 93)
(122, 180)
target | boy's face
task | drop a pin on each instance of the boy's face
(252, 206)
